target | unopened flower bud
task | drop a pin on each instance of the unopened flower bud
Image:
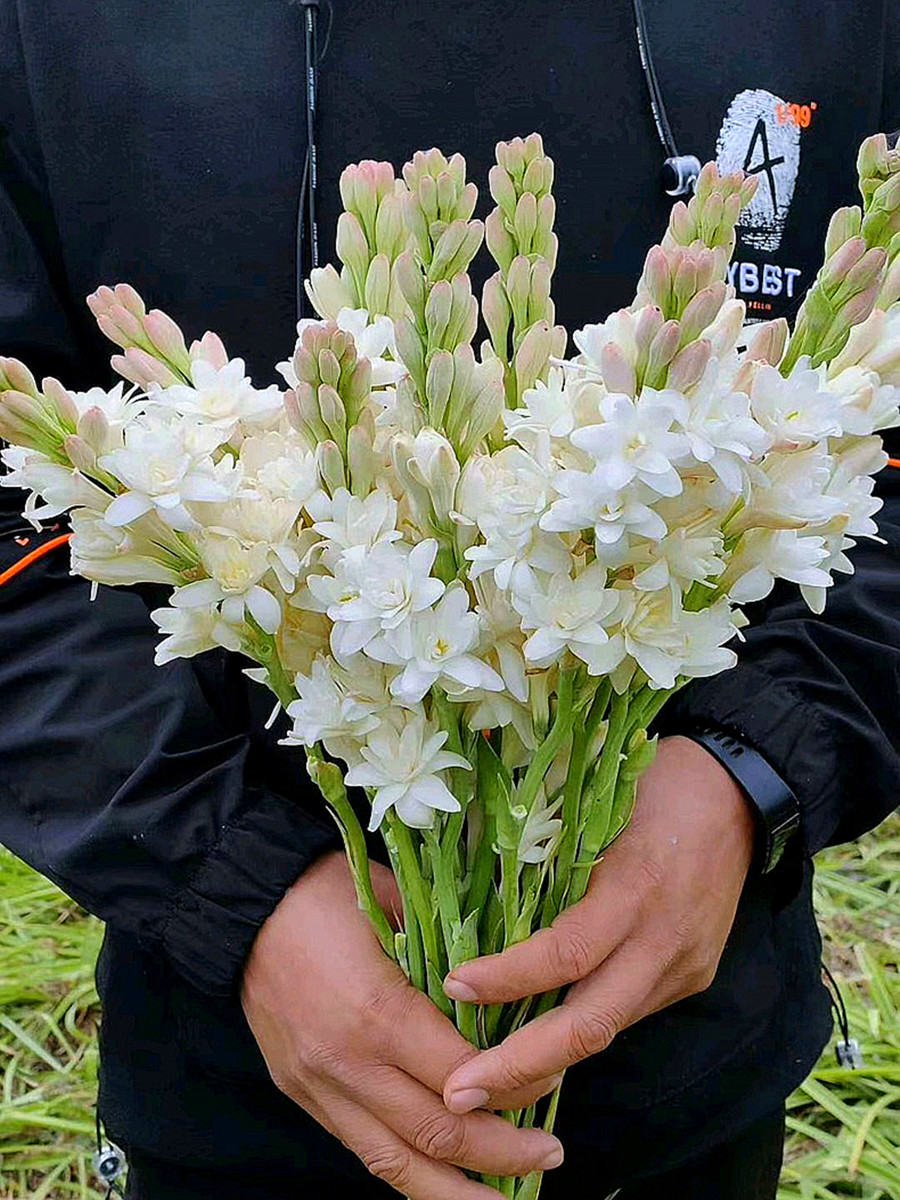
(437, 312)
(328, 292)
(518, 285)
(525, 221)
(499, 241)
(411, 283)
(60, 401)
(768, 342)
(93, 429)
(79, 453)
(687, 367)
(701, 311)
(497, 314)
(167, 338)
(841, 262)
(618, 370)
(439, 385)
(661, 351)
(331, 465)
(353, 251)
(15, 376)
(378, 284)
(211, 349)
(845, 224)
(532, 356)
(390, 231)
(725, 330)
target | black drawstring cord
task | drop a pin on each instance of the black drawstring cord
(307, 221)
(660, 117)
(109, 1161)
(847, 1050)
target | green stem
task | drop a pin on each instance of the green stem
(327, 777)
(413, 886)
(549, 748)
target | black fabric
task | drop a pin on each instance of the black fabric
(164, 145)
(745, 1167)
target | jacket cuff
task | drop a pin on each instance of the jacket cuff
(773, 718)
(257, 856)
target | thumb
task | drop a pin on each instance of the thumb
(573, 946)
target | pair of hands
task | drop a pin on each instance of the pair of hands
(373, 1060)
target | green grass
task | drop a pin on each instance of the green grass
(844, 1126)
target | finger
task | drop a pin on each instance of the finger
(478, 1141)
(593, 1013)
(391, 1159)
(418, 1038)
(522, 1097)
(574, 945)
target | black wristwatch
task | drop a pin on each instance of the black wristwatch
(775, 806)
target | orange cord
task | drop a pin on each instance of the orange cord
(33, 556)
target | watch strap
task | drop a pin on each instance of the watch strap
(776, 808)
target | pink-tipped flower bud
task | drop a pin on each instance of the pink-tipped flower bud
(15, 376)
(142, 368)
(768, 342)
(618, 371)
(211, 349)
(687, 367)
(60, 401)
(129, 299)
(93, 428)
(79, 453)
(167, 338)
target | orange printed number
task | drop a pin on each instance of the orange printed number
(795, 114)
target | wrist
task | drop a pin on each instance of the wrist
(773, 805)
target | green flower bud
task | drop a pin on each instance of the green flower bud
(353, 251)
(437, 314)
(499, 241)
(497, 314)
(502, 190)
(409, 279)
(439, 383)
(525, 221)
(331, 465)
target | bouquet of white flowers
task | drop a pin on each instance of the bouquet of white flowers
(472, 578)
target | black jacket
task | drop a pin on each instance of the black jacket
(163, 144)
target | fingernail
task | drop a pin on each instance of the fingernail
(467, 1099)
(553, 1159)
(457, 990)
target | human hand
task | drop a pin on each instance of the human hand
(649, 931)
(348, 1038)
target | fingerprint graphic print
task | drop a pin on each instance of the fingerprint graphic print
(753, 140)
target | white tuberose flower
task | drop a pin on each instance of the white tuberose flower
(403, 769)
(236, 571)
(375, 589)
(636, 441)
(162, 465)
(573, 614)
(436, 644)
(221, 396)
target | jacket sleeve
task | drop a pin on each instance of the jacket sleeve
(819, 696)
(141, 790)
